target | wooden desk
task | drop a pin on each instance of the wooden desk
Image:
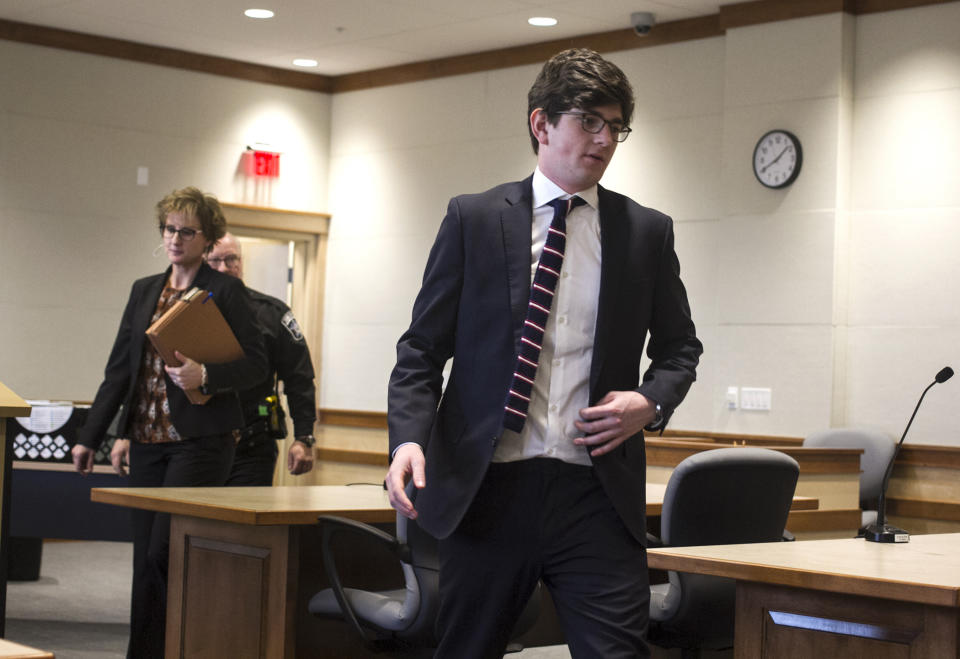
(237, 557)
(10, 650)
(837, 598)
(239, 554)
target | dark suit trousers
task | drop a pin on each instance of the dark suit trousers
(543, 519)
(203, 461)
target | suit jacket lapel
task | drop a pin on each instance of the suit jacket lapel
(516, 221)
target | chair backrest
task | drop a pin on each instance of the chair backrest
(723, 496)
(422, 576)
(728, 496)
(877, 448)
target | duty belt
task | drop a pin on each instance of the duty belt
(261, 427)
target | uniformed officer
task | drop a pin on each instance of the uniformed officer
(289, 361)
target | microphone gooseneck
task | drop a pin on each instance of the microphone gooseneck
(880, 531)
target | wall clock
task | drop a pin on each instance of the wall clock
(777, 159)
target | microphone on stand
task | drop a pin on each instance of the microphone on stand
(879, 531)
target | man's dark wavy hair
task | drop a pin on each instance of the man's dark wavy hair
(578, 78)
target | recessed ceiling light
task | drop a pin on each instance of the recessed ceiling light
(542, 21)
(305, 62)
(258, 13)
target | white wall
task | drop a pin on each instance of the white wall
(904, 242)
(784, 285)
(839, 293)
(76, 229)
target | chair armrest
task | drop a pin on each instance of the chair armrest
(653, 541)
(330, 526)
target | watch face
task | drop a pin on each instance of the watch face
(777, 159)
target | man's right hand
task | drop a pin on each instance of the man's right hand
(407, 461)
(82, 458)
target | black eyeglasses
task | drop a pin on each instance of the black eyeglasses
(186, 233)
(594, 123)
(231, 260)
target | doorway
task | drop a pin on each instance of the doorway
(284, 255)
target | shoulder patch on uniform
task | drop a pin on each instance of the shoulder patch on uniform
(290, 323)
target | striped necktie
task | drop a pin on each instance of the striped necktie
(541, 297)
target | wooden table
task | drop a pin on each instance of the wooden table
(837, 598)
(244, 561)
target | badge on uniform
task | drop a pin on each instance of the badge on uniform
(290, 323)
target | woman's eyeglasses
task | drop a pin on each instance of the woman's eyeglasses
(186, 233)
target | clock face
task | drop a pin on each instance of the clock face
(777, 159)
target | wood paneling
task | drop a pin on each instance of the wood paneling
(669, 453)
(353, 418)
(929, 456)
(729, 438)
(230, 589)
(815, 521)
(925, 509)
(378, 458)
(774, 622)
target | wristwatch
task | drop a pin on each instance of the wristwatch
(306, 440)
(657, 422)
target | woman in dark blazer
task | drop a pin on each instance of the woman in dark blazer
(173, 442)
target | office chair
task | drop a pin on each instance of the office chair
(401, 621)
(717, 497)
(877, 448)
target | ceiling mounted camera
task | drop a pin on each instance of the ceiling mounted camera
(642, 22)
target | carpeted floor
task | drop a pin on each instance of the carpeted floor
(80, 606)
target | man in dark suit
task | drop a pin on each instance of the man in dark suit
(546, 482)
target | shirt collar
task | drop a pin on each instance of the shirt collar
(545, 191)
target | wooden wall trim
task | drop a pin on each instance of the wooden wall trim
(924, 508)
(353, 418)
(669, 453)
(766, 11)
(730, 438)
(603, 42)
(376, 458)
(742, 14)
(920, 455)
(801, 521)
(170, 57)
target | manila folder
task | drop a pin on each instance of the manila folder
(195, 327)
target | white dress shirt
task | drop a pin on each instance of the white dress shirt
(562, 385)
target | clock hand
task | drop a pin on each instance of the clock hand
(774, 161)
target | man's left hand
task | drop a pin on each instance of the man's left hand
(616, 417)
(299, 458)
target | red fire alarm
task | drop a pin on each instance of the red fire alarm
(265, 164)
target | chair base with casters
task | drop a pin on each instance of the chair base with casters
(400, 621)
(722, 496)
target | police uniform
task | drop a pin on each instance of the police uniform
(289, 361)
